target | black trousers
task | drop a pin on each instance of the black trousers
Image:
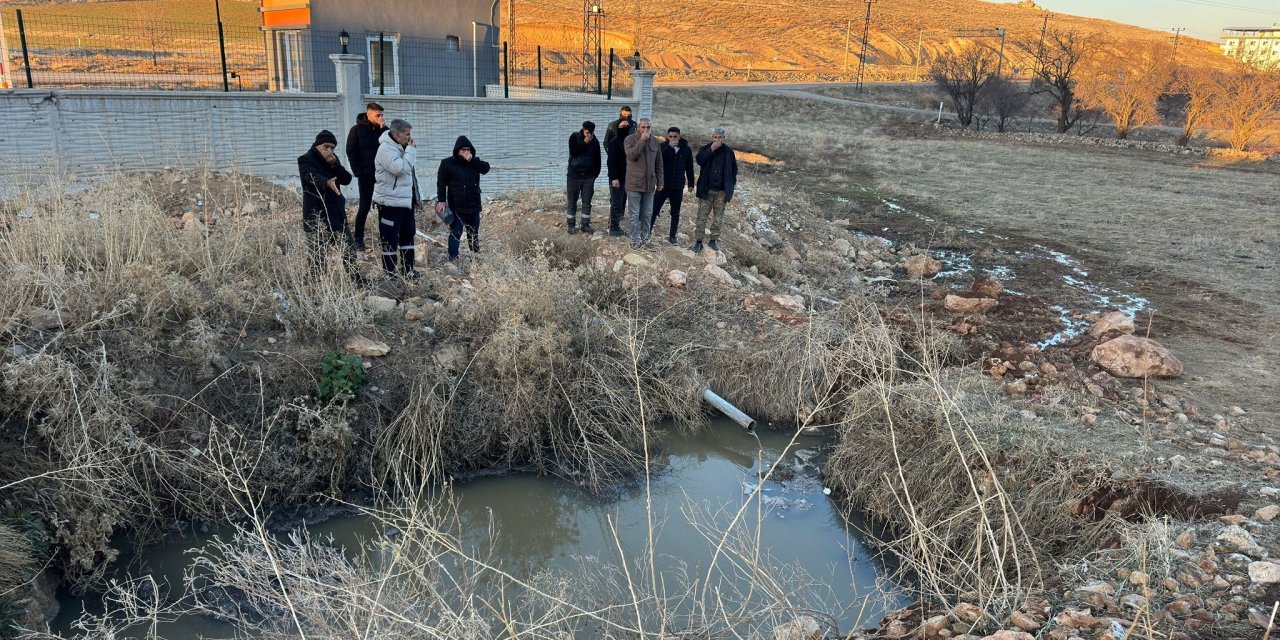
(362, 211)
(396, 229)
(617, 205)
(676, 196)
(325, 234)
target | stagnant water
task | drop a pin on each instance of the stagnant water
(546, 522)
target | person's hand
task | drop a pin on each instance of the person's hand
(333, 185)
(644, 135)
(660, 186)
(466, 154)
(690, 188)
(587, 136)
(440, 207)
(615, 184)
(716, 144)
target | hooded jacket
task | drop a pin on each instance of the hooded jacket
(644, 164)
(458, 181)
(677, 165)
(584, 157)
(318, 200)
(362, 146)
(720, 164)
(395, 174)
(613, 138)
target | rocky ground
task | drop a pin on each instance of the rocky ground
(1195, 553)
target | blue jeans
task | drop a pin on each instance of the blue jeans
(640, 215)
(468, 221)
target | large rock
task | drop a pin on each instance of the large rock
(1136, 357)
(635, 260)
(380, 304)
(366, 347)
(1264, 572)
(922, 266)
(720, 275)
(802, 628)
(46, 319)
(961, 304)
(676, 278)
(841, 246)
(792, 303)
(1113, 321)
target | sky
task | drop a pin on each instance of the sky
(1201, 18)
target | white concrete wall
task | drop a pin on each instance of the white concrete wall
(82, 133)
(526, 141)
(91, 132)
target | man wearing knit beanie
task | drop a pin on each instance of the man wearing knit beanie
(324, 208)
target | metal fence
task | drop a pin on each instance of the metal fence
(76, 52)
(47, 50)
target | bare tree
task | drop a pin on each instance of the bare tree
(1127, 85)
(1057, 61)
(1002, 100)
(962, 77)
(1244, 103)
(1197, 87)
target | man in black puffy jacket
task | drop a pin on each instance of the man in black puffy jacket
(458, 186)
(677, 168)
(362, 148)
(584, 168)
(324, 208)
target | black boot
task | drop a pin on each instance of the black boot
(586, 226)
(571, 226)
(697, 247)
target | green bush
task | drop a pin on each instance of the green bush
(341, 376)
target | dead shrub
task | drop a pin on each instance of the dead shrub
(529, 240)
(976, 494)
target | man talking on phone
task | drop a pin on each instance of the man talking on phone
(395, 191)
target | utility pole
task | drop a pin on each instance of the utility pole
(1177, 33)
(592, 18)
(866, 32)
(1000, 64)
(1044, 28)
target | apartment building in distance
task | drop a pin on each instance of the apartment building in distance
(1254, 45)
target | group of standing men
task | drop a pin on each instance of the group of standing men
(384, 158)
(645, 174)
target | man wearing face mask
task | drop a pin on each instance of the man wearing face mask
(324, 208)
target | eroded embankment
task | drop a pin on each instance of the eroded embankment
(171, 360)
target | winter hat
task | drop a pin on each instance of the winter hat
(325, 136)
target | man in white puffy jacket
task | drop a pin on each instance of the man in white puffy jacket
(396, 193)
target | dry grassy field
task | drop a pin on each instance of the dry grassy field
(1198, 237)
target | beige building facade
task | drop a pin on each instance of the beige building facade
(1255, 45)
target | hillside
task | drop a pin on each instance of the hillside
(794, 37)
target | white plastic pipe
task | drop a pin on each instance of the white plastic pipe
(729, 410)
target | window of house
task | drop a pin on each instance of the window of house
(384, 63)
(453, 43)
(287, 58)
